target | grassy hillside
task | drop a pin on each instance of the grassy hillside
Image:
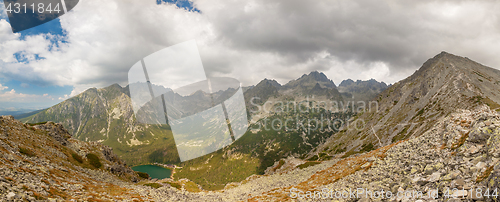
(105, 115)
(255, 151)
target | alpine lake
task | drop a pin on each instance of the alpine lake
(154, 171)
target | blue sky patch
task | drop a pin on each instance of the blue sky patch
(20, 57)
(25, 88)
(188, 5)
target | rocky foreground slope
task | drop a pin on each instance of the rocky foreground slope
(457, 159)
(461, 152)
(43, 162)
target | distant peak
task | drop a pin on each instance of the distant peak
(315, 75)
(116, 86)
(445, 54)
(270, 82)
(349, 82)
(346, 82)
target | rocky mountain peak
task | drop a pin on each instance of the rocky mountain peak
(310, 80)
(444, 60)
(346, 82)
(315, 76)
(116, 86)
(271, 82)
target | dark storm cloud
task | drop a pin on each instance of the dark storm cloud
(402, 34)
(255, 39)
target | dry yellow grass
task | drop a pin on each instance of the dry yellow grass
(339, 170)
(484, 175)
(460, 141)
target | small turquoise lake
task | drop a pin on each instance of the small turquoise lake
(153, 171)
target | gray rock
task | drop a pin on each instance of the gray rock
(57, 131)
(434, 177)
(478, 137)
(11, 196)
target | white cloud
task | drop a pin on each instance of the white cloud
(3, 87)
(13, 96)
(252, 40)
(64, 97)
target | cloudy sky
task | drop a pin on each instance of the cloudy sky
(96, 43)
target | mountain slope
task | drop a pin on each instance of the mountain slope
(409, 107)
(267, 140)
(106, 115)
(458, 157)
(261, 92)
(43, 162)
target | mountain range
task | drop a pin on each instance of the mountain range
(389, 114)
(106, 115)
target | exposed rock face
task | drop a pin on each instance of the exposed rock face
(106, 115)
(57, 131)
(109, 155)
(118, 167)
(447, 158)
(446, 149)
